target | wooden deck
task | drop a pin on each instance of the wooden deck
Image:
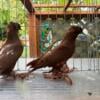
(86, 84)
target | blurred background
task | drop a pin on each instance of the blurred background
(46, 25)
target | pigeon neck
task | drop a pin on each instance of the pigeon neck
(12, 36)
(72, 38)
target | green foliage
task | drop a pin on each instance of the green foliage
(12, 10)
(92, 1)
(64, 1)
(50, 1)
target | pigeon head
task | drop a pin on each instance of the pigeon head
(73, 32)
(76, 29)
(13, 26)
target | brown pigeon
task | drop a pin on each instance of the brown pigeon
(11, 50)
(60, 54)
(57, 57)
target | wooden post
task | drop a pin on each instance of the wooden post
(28, 5)
(34, 35)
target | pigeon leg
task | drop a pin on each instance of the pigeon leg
(68, 79)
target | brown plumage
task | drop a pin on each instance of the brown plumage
(11, 50)
(60, 54)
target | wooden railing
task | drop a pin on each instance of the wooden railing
(66, 13)
(75, 12)
(62, 5)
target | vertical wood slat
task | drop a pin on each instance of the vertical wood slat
(33, 35)
(28, 5)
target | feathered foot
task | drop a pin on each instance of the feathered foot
(56, 75)
(16, 75)
(22, 76)
(9, 76)
(60, 73)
